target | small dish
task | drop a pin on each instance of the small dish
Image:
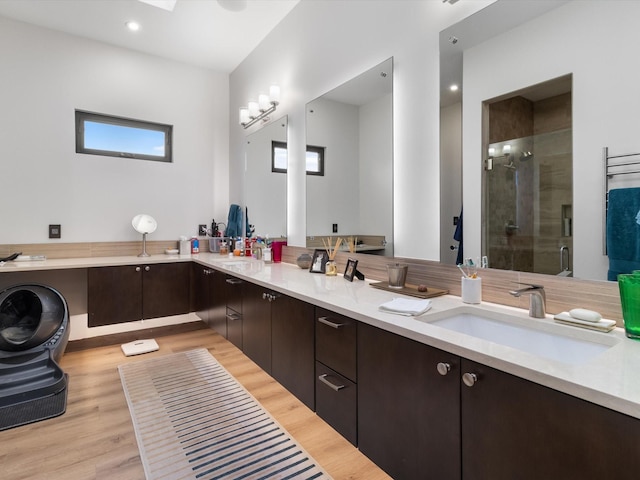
(171, 251)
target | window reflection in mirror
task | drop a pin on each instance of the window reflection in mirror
(266, 190)
(528, 170)
(354, 124)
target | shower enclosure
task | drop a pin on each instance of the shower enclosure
(527, 184)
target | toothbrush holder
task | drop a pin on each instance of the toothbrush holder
(471, 290)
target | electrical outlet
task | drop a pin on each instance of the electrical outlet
(202, 230)
(55, 231)
(335, 228)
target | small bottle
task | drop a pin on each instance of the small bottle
(266, 255)
(195, 245)
(224, 250)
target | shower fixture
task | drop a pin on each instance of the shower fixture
(510, 165)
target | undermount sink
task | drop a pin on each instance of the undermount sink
(539, 339)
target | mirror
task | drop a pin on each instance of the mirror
(352, 127)
(509, 46)
(265, 190)
(144, 224)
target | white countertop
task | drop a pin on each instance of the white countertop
(610, 379)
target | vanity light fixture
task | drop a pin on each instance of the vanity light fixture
(256, 111)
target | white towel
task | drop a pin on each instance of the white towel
(602, 325)
(406, 306)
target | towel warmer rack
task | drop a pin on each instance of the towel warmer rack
(608, 173)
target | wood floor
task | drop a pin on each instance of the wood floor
(94, 439)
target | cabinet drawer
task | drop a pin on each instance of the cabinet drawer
(233, 290)
(336, 402)
(234, 327)
(336, 342)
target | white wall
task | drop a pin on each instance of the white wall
(47, 75)
(598, 43)
(334, 126)
(450, 178)
(320, 45)
(266, 191)
(376, 171)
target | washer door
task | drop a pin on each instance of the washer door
(29, 316)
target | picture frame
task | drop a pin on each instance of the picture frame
(351, 269)
(319, 261)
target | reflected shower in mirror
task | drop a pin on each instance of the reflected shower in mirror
(528, 188)
(352, 125)
(265, 179)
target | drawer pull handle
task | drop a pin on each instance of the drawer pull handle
(326, 321)
(233, 281)
(443, 368)
(323, 379)
(469, 379)
(137, 269)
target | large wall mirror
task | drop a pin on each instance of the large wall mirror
(350, 130)
(265, 179)
(513, 46)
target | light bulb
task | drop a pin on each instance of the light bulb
(274, 93)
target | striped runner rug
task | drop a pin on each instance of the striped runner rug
(193, 420)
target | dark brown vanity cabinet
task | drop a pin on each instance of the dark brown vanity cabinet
(421, 409)
(233, 288)
(336, 372)
(514, 428)
(277, 334)
(256, 325)
(408, 413)
(292, 361)
(208, 297)
(134, 292)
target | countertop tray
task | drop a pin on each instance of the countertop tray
(411, 290)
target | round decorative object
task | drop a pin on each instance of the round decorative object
(304, 261)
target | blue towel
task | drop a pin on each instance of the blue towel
(623, 231)
(457, 236)
(234, 222)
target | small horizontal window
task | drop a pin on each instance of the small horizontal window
(99, 134)
(314, 159)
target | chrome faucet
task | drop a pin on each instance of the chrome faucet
(537, 299)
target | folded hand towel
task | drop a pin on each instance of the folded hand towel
(602, 325)
(406, 306)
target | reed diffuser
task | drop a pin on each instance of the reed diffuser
(331, 269)
(351, 243)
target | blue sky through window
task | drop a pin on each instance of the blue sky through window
(118, 138)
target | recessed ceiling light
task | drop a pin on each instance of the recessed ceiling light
(133, 26)
(453, 88)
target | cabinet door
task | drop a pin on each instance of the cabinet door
(218, 303)
(292, 358)
(165, 289)
(408, 413)
(200, 291)
(256, 325)
(513, 428)
(114, 295)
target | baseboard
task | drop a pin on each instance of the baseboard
(125, 337)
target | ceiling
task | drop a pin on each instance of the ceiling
(481, 26)
(214, 34)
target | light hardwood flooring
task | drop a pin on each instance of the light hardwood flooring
(94, 438)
